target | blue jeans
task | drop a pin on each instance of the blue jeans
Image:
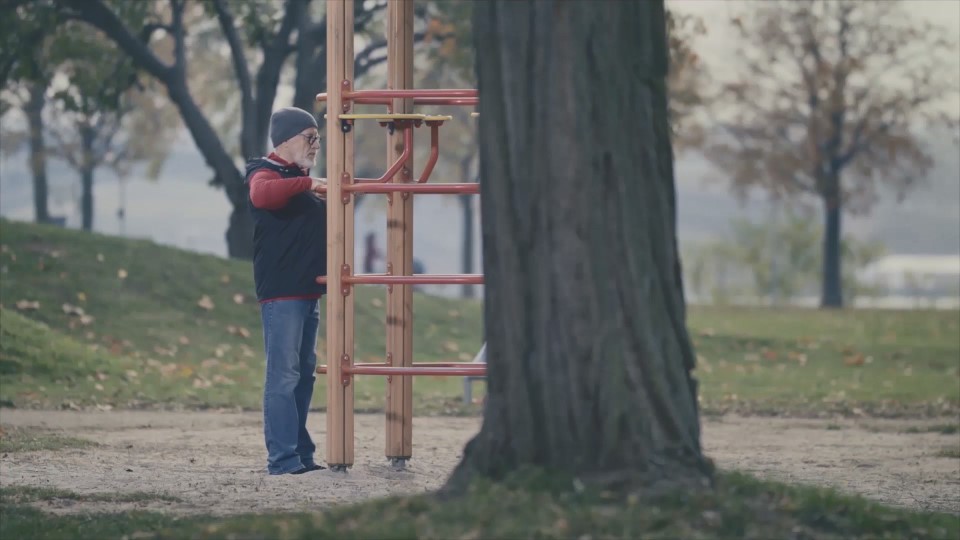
(290, 339)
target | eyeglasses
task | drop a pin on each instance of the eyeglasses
(311, 139)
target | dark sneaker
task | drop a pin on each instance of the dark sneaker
(312, 467)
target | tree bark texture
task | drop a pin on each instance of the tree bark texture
(38, 152)
(589, 359)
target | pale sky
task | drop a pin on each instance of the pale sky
(716, 48)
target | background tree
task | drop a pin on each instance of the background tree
(23, 86)
(688, 81)
(779, 257)
(832, 101)
(100, 116)
(589, 356)
(272, 31)
(75, 90)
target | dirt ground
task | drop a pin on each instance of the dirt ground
(214, 462)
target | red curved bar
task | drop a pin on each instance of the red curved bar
(436, 189)
(416, 279)
(392, 171)
(434, 152)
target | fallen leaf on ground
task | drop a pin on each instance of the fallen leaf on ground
(71, 309)
(854, 360)
(28, 304)
(205, 302)
(122, 274)
(238, 298)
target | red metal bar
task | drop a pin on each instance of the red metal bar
(416, 279)
(390, 370)
(412, 93)
(392, 171)
(475, 366)
(417, 100)
(364, 100)
(434, 152)
(443, 101)
(436, 189)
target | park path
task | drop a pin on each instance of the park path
(213, 462)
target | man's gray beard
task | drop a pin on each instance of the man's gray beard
(307, 163)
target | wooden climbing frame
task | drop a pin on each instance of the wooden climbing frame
(400, 100)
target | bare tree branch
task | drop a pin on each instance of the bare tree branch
(95, 13)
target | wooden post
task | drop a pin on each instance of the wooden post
(399, 415)
(340, 170)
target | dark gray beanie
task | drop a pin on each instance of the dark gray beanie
(287, 122)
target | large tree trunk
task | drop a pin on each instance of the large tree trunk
(832, 291)
(87, 166)
(239, 233)
(38, 152)
(589, 357)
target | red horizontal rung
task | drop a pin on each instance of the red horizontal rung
(416, 279)
(465, 365)
(445, 101)
(437, 189)
(412, 93)
(398, 370)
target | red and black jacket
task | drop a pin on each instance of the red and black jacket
(289, 231)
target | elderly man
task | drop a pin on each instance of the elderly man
(289, 252)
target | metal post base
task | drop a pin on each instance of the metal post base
(398, 463)
(338, 468)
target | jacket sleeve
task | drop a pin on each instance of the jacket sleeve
(270, 191)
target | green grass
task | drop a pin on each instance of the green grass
(149, 343)
(14, 495)
(30, 440)
(949, 452)
(530, 507)
(880, 362)
(945, 429)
